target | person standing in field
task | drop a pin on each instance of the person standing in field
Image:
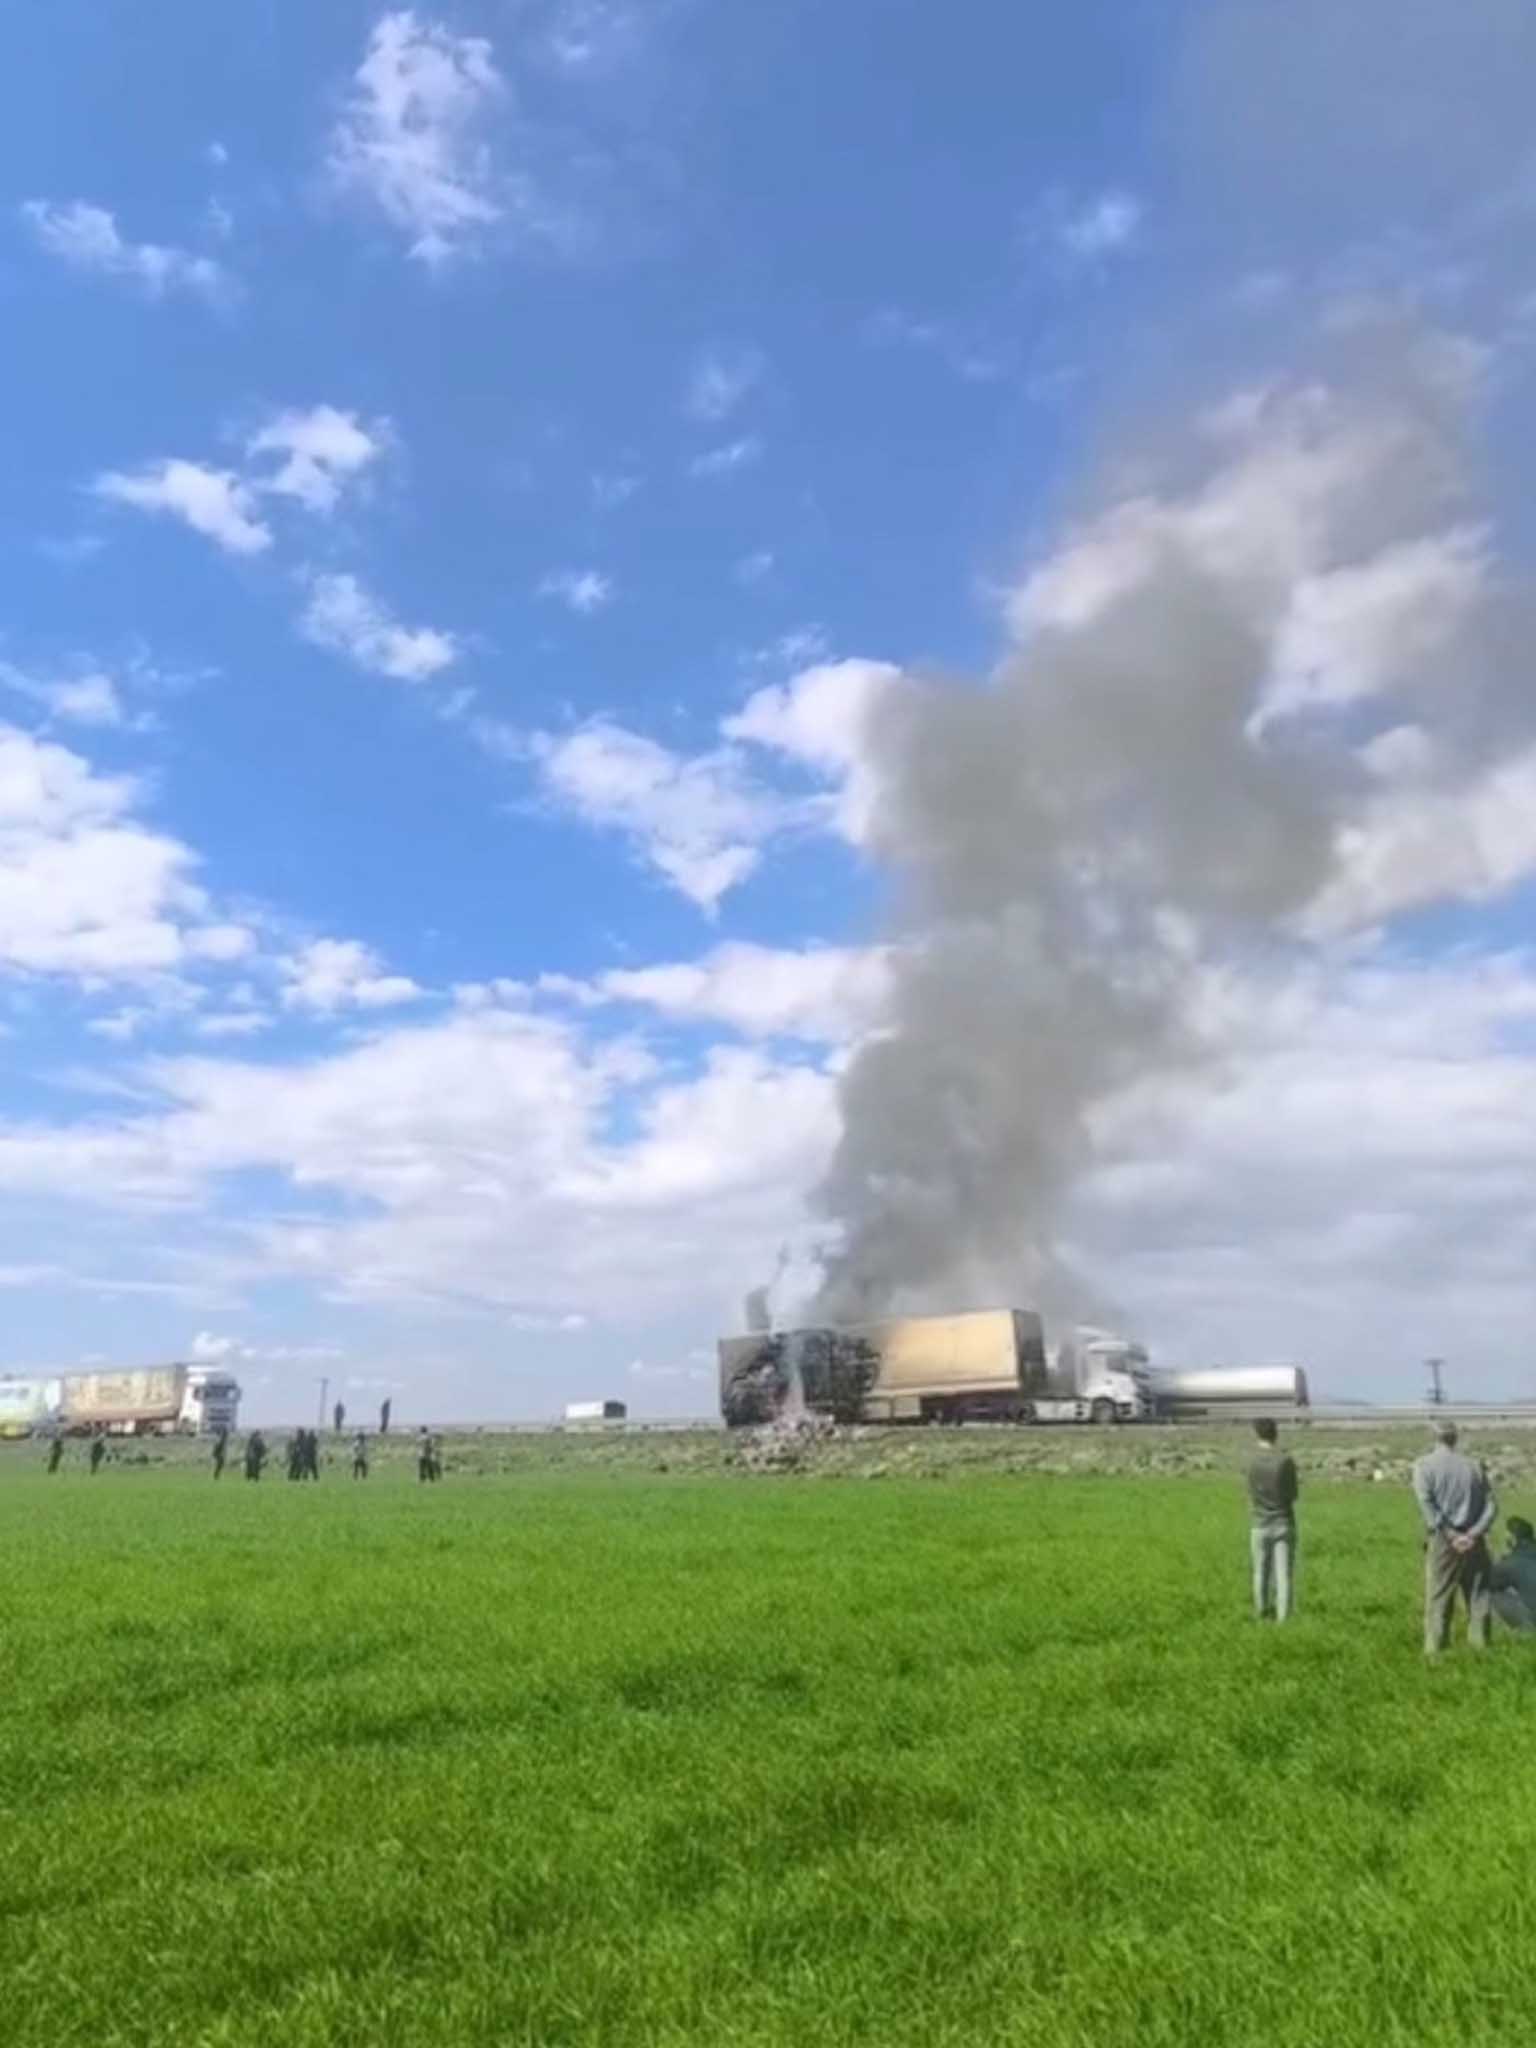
(255, 1454)
(424, 1470)
(1272, 1490)
(220, 1452)
(295, 1455)
(384, 1409)
(1513, 1579)
(339, 1416)
(360, 1456)
(1459, 1509)
(56, 1452)
(98, 1453)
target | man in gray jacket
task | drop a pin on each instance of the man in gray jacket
(1458, 1507)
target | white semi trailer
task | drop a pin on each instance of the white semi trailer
(1225, 1389)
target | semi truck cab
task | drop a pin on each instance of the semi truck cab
(1117, 1384)
(1113, 1377)
(210, 1402)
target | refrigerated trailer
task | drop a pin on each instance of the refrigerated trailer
(157, 1400)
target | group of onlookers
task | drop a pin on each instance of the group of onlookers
(1457, 1505)
(302, 1454)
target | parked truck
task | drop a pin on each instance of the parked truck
(984, 1365)
(581, 1412)
(159, 1400)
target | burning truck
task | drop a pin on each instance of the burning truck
(983, 1365)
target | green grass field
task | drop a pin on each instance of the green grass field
(608, 1757)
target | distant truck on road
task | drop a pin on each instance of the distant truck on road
(158, 1400)
(983, 1365)
(595, 1411)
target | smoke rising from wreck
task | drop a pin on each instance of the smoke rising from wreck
(1234, 684)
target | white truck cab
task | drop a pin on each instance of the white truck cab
(209, 1402)
(1100, 1378)
(1114, 1378)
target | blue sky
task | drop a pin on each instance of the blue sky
(469, 472)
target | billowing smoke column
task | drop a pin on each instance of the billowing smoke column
(1238, 688)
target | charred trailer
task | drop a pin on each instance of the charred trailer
(984, 1365)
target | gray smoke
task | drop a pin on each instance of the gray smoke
(1186, 763)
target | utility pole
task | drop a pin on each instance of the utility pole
(325, 1388)
(1435, 1395)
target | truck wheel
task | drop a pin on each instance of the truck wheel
(1102, 1412)
(1025, 1412)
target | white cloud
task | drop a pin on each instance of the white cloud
(1099, 226)
(720, 382)
(819, 993)
(87, 700)
(582, 590)
(586, 34)
(213, 502)
(412, 137)
(231, 1024)
(346, 619)
(820, 719)
(92, 699)
(224, 943)
(496, 1158)
(700, 820)
(726, 459)
(86, 890)
(320, 451)
(1352, 1195)
(475, 1161)
(754, 567)
(1295, 513)
(1416, 844)
(207, 1349)
(342, 974)
(87, 237)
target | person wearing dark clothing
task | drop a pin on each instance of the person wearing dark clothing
(360, 1456)
(98, 1452)
(1272, 1491)
(220, 1452)
(339, 1416)
(423, 1455)
(56, 1454)
(1459, 1509)
(1514, 1579)
(311, 1455)
(255, 1454)
(294, 1455)
(384, 1412)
